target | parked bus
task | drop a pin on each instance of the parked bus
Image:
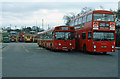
(59, 38)
(6, 39)
(95, 31)
(28, 38)
(21, 37)
(35, 38)
(13, 38)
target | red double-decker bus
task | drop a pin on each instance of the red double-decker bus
(95, 31)
(21, 37)
(13, 38)
(59, 38)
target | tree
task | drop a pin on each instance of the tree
(67, 18)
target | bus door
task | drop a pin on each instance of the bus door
(89, 41)
(77, 40)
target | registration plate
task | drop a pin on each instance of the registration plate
(64, 47)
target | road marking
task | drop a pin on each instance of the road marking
(39, 48)
(26, 49)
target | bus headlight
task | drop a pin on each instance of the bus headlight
(112, 46)
(59, 44)
(70, 44)
(94, 46)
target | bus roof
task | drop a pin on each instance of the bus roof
(103, 11)
(95, 11)
(52, 29)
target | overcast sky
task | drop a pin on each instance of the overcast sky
(21, 13)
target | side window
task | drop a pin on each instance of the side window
(83, 35)
(84, 19)
(80, 20)
(75, 35)
(50, 35)
(76, 21)
(41, 36)
(89, 17)
(89, 35)
(70, 24)
(53, 35)
(73, 22)
(38, 36)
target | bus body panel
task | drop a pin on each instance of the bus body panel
(64, 44)
(103, 46)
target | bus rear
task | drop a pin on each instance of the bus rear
(103, 32)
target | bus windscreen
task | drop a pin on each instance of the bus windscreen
(103, 36)
(64, 35)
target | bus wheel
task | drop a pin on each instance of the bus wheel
(39, 46)
(69, 50)
(84, 48)
(105, 53)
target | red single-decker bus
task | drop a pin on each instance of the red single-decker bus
(59, 38)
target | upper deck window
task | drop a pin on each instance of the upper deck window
(80, 20)
(84, 19)
(103, 17)
(89, 17)
(57, 28)
(64, 28)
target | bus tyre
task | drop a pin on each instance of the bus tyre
(84, 48)
(69, 50)
(104, 53)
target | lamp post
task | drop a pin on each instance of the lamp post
(42, 23)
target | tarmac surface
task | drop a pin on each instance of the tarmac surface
(29, 60)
